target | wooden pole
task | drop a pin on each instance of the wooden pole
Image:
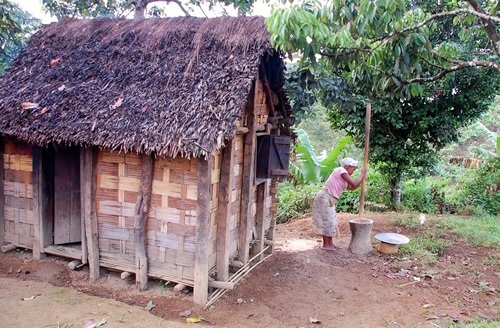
(365, 161)
(2, 197)
(200, 293)
(141, 216)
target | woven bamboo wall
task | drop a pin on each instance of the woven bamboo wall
(261, 109)
(18, 193)
(214, 191)
(236, 194)
(171, 225)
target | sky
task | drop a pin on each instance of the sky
(34, 7)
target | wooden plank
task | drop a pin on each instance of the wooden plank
(200, 293)
(42, 201)
(272, 214)
(89, 208)
(69, 252)
(141, 215)
(259, 220)
(2, 197)
(83, 238)
(248, 178)
(224, 212)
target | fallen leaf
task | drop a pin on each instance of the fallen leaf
(54, 61)
(239, 300)
(150, 306)
(432, 317)
(186, 313)
(193, 320)
(314, 320)
(29, 105)
(276, 274)
(117, 103)
(428, 305)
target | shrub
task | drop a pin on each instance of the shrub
(479, 192)
(295, 201)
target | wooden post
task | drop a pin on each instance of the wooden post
(141, 216)
(2, 197)
(259, 219)
(42, 201)
(224, 211)
(89, 208)
(365, 160)
(248, 178)
(85, 252)
(200, 293)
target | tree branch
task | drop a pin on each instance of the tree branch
(489, 27)
(461, 65)
(439, 15)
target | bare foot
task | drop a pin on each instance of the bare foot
(330, 248)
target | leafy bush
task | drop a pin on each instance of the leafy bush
(295, 201)
(480, 191)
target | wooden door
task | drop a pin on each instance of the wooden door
(67, 219)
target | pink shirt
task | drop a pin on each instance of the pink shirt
(335, 185)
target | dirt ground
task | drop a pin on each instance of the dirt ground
(299, 286)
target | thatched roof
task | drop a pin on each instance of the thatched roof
(173, 87)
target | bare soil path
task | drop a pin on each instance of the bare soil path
(300, 286)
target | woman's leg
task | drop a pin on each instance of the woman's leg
(328, 244)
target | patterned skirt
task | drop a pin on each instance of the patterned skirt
(324, 215)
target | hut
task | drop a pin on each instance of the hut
(146, 146)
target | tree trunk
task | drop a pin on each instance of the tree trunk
(395, 189)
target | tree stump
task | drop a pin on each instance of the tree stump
(361, 236)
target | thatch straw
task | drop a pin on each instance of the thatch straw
(165, 86)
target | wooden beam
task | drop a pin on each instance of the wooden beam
(85, 252)
(224, 211)
(2, 197)
(141, 216)
(200, 293)
(43, 188)
(273, 190)
(245, 225)
(88, 180)
(259, 219)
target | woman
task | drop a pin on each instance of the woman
(325, 220)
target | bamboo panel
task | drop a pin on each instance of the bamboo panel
(114, 157)
(116, 208)
(121, 183)
(17, 189)
(165, 214)
(182, 204)
(19, 215)
(106, 194)
(24, 177)
(189, 244)
(183, 177)
(117, 261)
(166, 188)
(18, 202)
(107, 168)
(11, 238)
(108, 231)
(18, 162)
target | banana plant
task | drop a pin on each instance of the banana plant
(307, 166)
(493, 136)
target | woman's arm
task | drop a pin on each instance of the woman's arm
(351, 183)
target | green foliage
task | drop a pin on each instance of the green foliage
(295, 201)
(480, 191)
(307, 166)
(16, 26)
(123, 8)
(384, 48)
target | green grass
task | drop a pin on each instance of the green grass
(479, 231)
(430, 240)
(477, 324)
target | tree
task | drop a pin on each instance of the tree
(123, 8)
(16, 26)
(425, 80)
(386, 47)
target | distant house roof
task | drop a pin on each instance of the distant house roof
(173, 87)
